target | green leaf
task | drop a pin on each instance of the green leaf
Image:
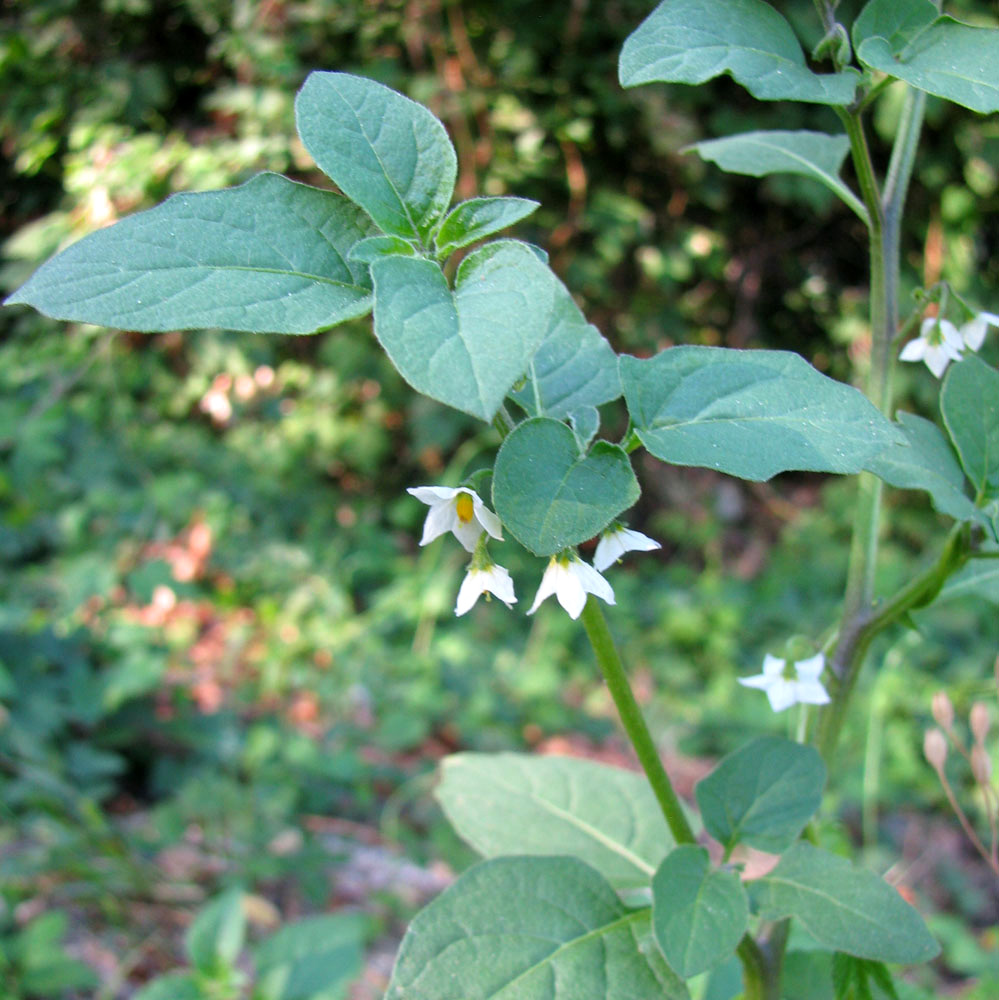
(896, 21)
(573, 367)
(980, 578)
(530, 929)
(750, 413)
(373, 247)
(807, 975)
(810, 154)
(926, 461)
(844, 908)
(216, 937)
(518, 804)
(465, 348)
(550, 495)
(270, 256)
(173, 986)
(698, 914)
(480, 217)
(585, 422)
(313, 959)
(860, 979)
(762, 794)
(953, 60)
(691, 41)
(969, 401)
(387, 153)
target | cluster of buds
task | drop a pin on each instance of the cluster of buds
(936, 746)
(462, 512)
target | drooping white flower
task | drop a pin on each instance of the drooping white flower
(491, 579)
(973, 332)
(570, 580)
(617, 540)
(460, 511)
(784, 691)
(938, 344)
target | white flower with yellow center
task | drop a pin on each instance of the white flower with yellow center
(460, 511)
(570, 580)
(785, 690)
(486, 579)
(938, 344)
(617, 540)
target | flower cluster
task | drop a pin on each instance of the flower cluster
(784, 688)
(462, 512)
(940, 342)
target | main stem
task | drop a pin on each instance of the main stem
(759, 985)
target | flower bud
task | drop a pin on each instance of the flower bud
(981, 765)
(979, 721)
(943, 710)
(935, 748)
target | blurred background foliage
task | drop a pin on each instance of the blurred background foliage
(224, 660)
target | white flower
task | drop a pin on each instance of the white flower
(460, 511)
(784, 692)
(973, 332)
(494, 579)
(938, 344)
(570, 580)
(617, 540)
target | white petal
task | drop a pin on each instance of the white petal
(927, 327)
(773, 666)
(591, 581)
(432, 494)
(937, 360)
(761, 681)
(467, 532)
(782, 695)
(949, 334)
(809, 670)
(501, 585)
(810, 693)
(991, 318)
(472, 588)
(973, 332)
(547, 587)
(610, 548)
(914, 350)
(569, 590)
(441, 519)
(487, 518)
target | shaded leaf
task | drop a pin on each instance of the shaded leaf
(477, 218)
(518, 804)
(270, 256)
(216, 937)
(969, 402)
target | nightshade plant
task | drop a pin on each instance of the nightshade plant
(594, 884)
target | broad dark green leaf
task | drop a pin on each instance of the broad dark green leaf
(270, 256)
(762, 794)
(698, 913)
(809, 154)
(530, 929)
(690, 41)
(925, 462)
(953, 60)
(313, 959)
(216, 937)
(518, 804)
(573, 367)
(896, 21)
(844, 908)
(465, 348)
(478, 218)
(969, 401)
(387, 153)
(550, 495)
(750, 413)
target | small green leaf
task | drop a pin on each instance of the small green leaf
(387, 153)
(844, 908)
(980, 578)
(478, 218)
(585, 422)
(809, 154)
(216, 937)
(530, 929)
(925, 462)
(691, 41)
(969, 401)
(373, 247)
(750, 413)
(464, 348)
(173, 986)
(896, 21)
(550, 495)
(517, 804)
(270, 256)
(762, 794)
(698, 913)
(861, 979)
(953, 60)
(573, 367)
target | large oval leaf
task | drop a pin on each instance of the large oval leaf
(690, 41)
(270, 256)
(550, 495)
(530, 929)
(844, 908)
(969, 401)
(750, 413)
(465, 348)
(384, 151)
(517, 804)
